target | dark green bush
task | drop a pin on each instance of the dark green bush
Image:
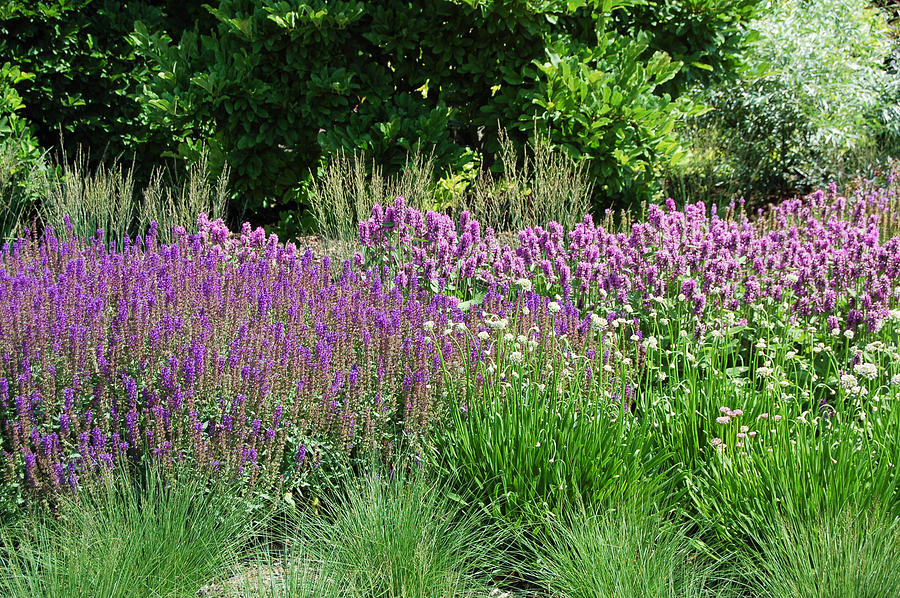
(84, 74)
(274, 87)
(601, 103)
(277, 85)
(707, 36)
(21, 163)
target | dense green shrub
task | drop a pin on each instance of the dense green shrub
(72, 84)
(815, 101)
(707, 36)
(274, 87)
(83, 73)
(21, 161)
(277, 85)
(12, 124)
(601, 103)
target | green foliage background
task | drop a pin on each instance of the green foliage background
(274, 88)
(84, 76)
(816, 100)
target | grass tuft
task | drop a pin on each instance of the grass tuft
(124, 539)
(626, 551)
(848, 555)
(389, 536)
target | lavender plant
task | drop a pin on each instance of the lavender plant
(227, 351)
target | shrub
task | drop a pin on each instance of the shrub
(22, 169)
(72, 85)
(706, 36)
(600, 101)
(277, 86)
(814, 101)
(84, 75)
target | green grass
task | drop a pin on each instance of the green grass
(629, 550)
(388, 536)
(849, 554)
(162, 538)
(523, 450)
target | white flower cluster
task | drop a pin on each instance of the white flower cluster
(875, 346)
(848, 381)
(498, 323)
(524, 284)
(869, 371)
(851, 384)
(764, 372)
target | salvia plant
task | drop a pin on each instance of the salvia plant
(231, 352)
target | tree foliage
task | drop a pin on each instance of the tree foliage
(273, 87)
